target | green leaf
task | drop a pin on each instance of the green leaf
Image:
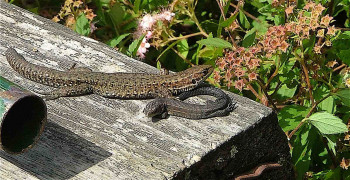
(327, 123)
(308, 44)
(249, 38)
(134, 46)
(2, 107)
(159, 65)
(327, 104)
(210, 26)
(219, 29)
(137, 6)
(302, 149)
(228, 21)
(117, 14)
(344, 96)
(115, 41)
(210, 53)
(215, 42)
(344, 35)
(82, 25)
(344, 55)
(334, 174)
(261, 26)
(284, 92)
(290, 116)
(278, 19)
(182, 47)
(34, 10)
(332, 142)
(243, 20)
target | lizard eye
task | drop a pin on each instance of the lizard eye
(194, 81)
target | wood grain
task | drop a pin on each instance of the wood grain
(91, 137)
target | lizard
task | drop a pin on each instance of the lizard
(222, 106)
(82, 81)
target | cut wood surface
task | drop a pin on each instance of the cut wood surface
(91, 137)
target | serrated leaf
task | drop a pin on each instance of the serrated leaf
(249, 38)
(327, 123)
(82, 25)
(344, 96)
(215, 42)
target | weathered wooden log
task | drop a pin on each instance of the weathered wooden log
(91, 137)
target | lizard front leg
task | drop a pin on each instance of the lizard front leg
(76, 90)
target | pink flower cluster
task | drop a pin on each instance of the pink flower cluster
(147, 26)
(274, 40)
(310, 20)
(238, 65)
(242, 64)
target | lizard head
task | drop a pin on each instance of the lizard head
(191, 78)
(200, 73)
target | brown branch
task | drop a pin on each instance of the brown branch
(223, 16)
(266, 94)
(307, 80)
(186, 36)
(339, 67)
(274, 74)
(246, 13)
(308, 115)
(250, 87)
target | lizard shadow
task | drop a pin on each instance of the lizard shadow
(59, 154)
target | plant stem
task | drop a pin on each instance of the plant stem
(266, 94)
(307, 80)
(339, 67)
(194, 18)
(246, 13)
(182, 57)
(308, 115)
(250, 87)
(185, 37)
(274, 73)
(223, 16)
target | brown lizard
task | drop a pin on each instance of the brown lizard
(82, 81)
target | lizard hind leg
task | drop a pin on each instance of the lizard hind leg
(76, 90)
